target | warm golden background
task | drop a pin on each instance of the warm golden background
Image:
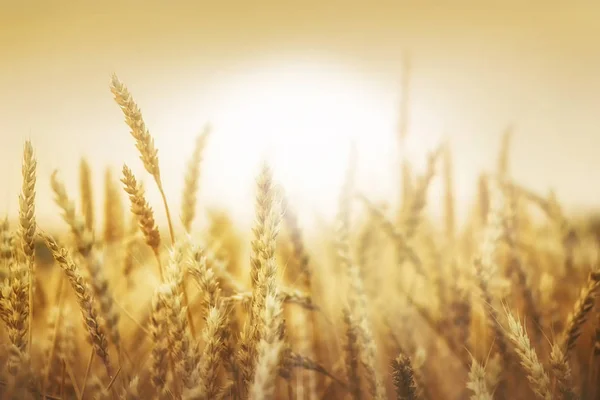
(477, 67)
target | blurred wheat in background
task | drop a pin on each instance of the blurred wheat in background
(386, 299)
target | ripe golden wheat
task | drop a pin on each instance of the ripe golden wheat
(378, 305)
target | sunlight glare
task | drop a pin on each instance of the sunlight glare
(301, 118)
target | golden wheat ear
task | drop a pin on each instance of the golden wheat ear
(263, 274)
(141, 208)
(114, 223)
(477, 382)
(191, 182)
(270, 349)
(28, 226)
(144, 213)
(84, 239)
(87, 195)
(85, 299)
(159, 355)
(357, 298)
(538, 378)
(403, 377)
(133, 118)
(144, 141)
(449, 197)
(15, 315)
(580, 314)
(562, 372)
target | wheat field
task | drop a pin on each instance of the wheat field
(384, 303)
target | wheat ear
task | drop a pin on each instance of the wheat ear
(144, 141)
(141, 208)
(28, 225)
(580, 313)
(357, 299)
(562, 373)
(403, 376)
(15, 311)
(485, 272)
(263, 250)
(351, 356)
(538, 378)
(87, 195)
(270, 349)
(113, 210)
(477, 382)
(83, 237)
(192, 177)
(85, 300)
(160, 351)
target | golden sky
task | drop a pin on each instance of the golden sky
(477, 67)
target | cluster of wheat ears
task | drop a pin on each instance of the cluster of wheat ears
(371, 307)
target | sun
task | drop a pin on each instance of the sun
(301, 117)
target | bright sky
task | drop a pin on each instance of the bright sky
(296, 84)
